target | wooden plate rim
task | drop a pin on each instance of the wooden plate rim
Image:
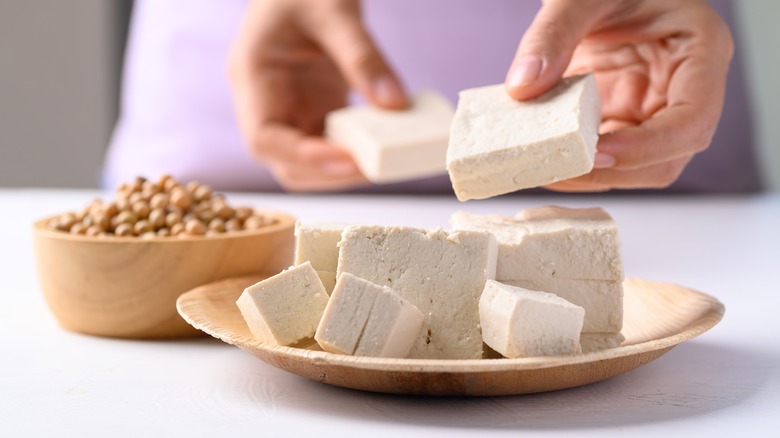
(188, 306)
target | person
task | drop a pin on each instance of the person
(662, 68)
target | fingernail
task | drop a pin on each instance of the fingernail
(602, 160)
(524, 71)
(339, 168)
(388, 92)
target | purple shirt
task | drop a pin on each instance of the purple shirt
(177, 116)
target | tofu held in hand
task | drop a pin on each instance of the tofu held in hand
(395, 145)
(499, 145)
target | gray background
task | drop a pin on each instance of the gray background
(60, 67)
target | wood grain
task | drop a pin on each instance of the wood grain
(127, 287)
(657, 316)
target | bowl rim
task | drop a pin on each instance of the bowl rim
(285, 221)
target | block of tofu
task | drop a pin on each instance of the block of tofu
(518, 322)
(441, 273)
(328, 280)
(579, 243)
(601, 299)
(366, 319)
(395, 145)
(318, 244)
(285, 308)
(590, 342)
(551, 242)
(499, 145)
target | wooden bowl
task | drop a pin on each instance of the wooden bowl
(657, 317)
(127, 287)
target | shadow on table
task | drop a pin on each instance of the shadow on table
(692, 379)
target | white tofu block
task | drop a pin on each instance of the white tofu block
(395, 145)
(601, 299)
(518, 322)
(328, 280)
(318, 244)
(551, 242)
(578, 243)
(441, 273)
(499, 145)
(285, 308)
(366, 319)
(590, 342)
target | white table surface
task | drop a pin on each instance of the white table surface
(724, 383)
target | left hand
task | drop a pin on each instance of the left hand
(291, 64)
(661, 68)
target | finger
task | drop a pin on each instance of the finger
(657, 176)
(317, 152)
(610, 125)
(569, 187)
(346, 40)
(316, 171)
(695, 95)
(684, 127)
(313, 164)
(293, 180)
(278, 143)
(301, 163)
(547, 46)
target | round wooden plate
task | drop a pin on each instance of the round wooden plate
(657, 317)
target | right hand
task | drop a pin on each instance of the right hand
(293, 62)
(661, 68)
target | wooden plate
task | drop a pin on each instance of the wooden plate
(658, 316)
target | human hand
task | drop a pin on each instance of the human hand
(292, 62)
(661, 68)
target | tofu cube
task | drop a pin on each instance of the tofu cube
(575, 243)
(518, 322)
(601, 299)
(285, 308)
(318, 243)
(441, 273)
(551, 241)
(499, 145)
(366, 319)
(395, 145)
(328, 280)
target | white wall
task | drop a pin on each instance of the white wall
(58, 79)
(761, 47)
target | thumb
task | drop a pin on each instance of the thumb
(353, 50)
(547, 46)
